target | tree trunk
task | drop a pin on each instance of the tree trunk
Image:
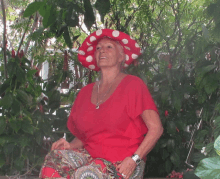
(4, 38)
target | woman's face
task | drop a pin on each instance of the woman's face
(108, 53)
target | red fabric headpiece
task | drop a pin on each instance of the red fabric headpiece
(87, 50)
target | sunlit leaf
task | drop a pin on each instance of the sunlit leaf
(67, 38)
(89, 19)
(209, 168)
(32, 8)
(103, 6)
(49, 17)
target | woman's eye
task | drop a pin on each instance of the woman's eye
(97, 48)
(109, 46)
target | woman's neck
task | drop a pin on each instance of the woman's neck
(107, 76)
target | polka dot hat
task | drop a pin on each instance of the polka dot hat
(87, 50)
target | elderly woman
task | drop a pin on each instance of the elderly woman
(114, 120)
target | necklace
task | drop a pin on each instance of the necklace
(99, 102)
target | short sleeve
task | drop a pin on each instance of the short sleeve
(139, 98)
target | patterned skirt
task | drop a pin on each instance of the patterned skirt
(78, 164)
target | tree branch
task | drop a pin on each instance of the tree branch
(4, 38)
(22, 39)
(32, 30)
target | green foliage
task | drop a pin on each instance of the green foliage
(209, 167)
(27, 117)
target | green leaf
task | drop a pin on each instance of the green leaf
(37, 34)
(24, 141)
(89, 19)
(2, 124)
(15, 125)
(20, 74)
(61, 30)
(217, 145)
(43, 10)
(197, 157)
(209, 168)
(171, 127)
(66, 36)
(170, 144)
(205, 32)
(2, 161)
(39, 137)
(207, 69)
(32, 8)
(4, 86)
(71, 19)
(49, 17)
(27, 127)
(103, 6)
(7, 100)
(209, 147)
(12, 65)
(8, 148)
(168, 166)
(165, 154)
(75, 37)
(6, 139)
(175, 159)
(24, 97)
(176, 97)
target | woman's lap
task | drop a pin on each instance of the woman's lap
(78, 164)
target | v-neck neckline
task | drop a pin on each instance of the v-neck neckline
(109, 96)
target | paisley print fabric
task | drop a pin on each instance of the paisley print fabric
(78, 164)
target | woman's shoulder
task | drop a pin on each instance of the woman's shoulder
(86, 88)
(133, 80)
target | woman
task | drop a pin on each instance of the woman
(109, 118)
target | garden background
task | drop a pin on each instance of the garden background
(180, 40)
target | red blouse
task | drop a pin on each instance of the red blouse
(116, 129)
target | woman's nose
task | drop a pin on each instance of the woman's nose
(103, 49)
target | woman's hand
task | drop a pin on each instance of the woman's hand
(127, 167)
(61, 144)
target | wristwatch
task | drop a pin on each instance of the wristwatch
(136, 158)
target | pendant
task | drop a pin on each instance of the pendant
(97, 107)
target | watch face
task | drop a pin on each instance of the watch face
(136, 158)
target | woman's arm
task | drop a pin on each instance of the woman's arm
(155, 130)
(62, 144)
(76, 143)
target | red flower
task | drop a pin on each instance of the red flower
(177, 129)
(21, 54)
(45, 98)
(13, 53)
(37, 74)
(41, 108)
(166, 113)
(170, 66)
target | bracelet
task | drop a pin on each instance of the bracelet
(136, 158)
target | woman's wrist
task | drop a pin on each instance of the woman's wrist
(136, 158)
